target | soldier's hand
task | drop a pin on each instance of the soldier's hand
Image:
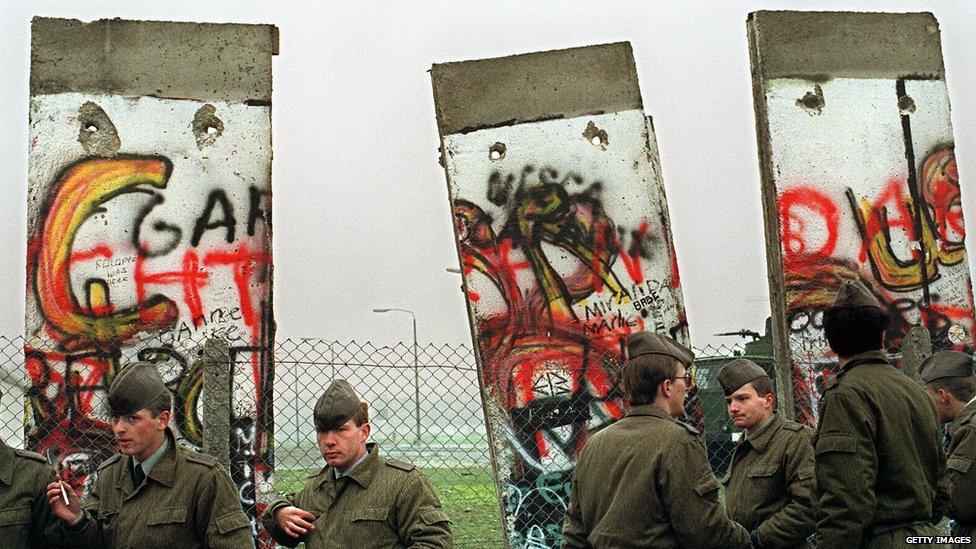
(294, 521)
(70, 513)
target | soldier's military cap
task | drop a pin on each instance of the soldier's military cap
(336, 406)
(134, 388)
(650, 343)
(853, 293)
(947, 364)
(737, 373)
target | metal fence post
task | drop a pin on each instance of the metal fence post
(915, 348)
(215, 363)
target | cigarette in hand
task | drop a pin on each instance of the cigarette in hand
(64, 493)
(60, 469)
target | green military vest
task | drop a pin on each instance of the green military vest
(380, 503)
(25, 514)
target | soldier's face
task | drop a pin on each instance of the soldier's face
(341, 447)
(139, 434)
(675, 391)
(747, 409)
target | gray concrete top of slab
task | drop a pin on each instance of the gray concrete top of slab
(202, 61)
(471, 95)
(824, 45)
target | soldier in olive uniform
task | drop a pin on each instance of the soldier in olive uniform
(880, 465)
(155, 493)
(25, 517)
(769, 487)
(644, 481)
(950, 381)
(359, 499)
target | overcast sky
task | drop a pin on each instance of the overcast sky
(361, 214)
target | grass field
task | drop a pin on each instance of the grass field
(467, 493)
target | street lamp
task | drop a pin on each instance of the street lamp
(416, 367)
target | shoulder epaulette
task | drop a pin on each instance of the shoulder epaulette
(691, 429)
(794, 426)
(109, 461)
(402, 465)
(30, 455)
(202, 459)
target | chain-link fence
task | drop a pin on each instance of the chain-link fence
(425, 407)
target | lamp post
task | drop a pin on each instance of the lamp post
(416, 367)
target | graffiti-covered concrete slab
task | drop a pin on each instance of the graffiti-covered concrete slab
(859, 179)
(563, 234)
(149, 219)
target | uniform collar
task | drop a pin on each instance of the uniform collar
(760, 440)
(362, 474)
(151, 461)
(348, 471)
(649, 410)
(163, 472)
(964, 416)
(869, 356)
(6, 463)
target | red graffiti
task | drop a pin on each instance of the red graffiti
(631, 258)
(793, 224)
(190, 277)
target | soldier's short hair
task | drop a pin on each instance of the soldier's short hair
(962, 389)
(361, 417)
(164, 403)
(642, 375)
(854, 330)
(763, 386)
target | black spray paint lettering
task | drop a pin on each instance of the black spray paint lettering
(217, 213)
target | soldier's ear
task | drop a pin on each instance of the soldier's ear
(164, 418)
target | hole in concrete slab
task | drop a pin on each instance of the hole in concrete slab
(906, 104)
(496, 151)
(596, 136)
(206, 126)
(812, 101)
(96, 132)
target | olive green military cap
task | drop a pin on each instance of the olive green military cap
(134, 388)
(737, 373)
(650, 343)
(336, 406)
(853, 293)
(947, 364)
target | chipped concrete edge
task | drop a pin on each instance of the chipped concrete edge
(774, 252)
(487, 93)
(201, 61)
(823, 45)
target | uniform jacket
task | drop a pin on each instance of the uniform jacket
(187, 501)
(25, 515)
(769, 487)
(962, 471)
(644, 481)
(380, 503)
(879, 458)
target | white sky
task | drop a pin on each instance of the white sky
(361, 215)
